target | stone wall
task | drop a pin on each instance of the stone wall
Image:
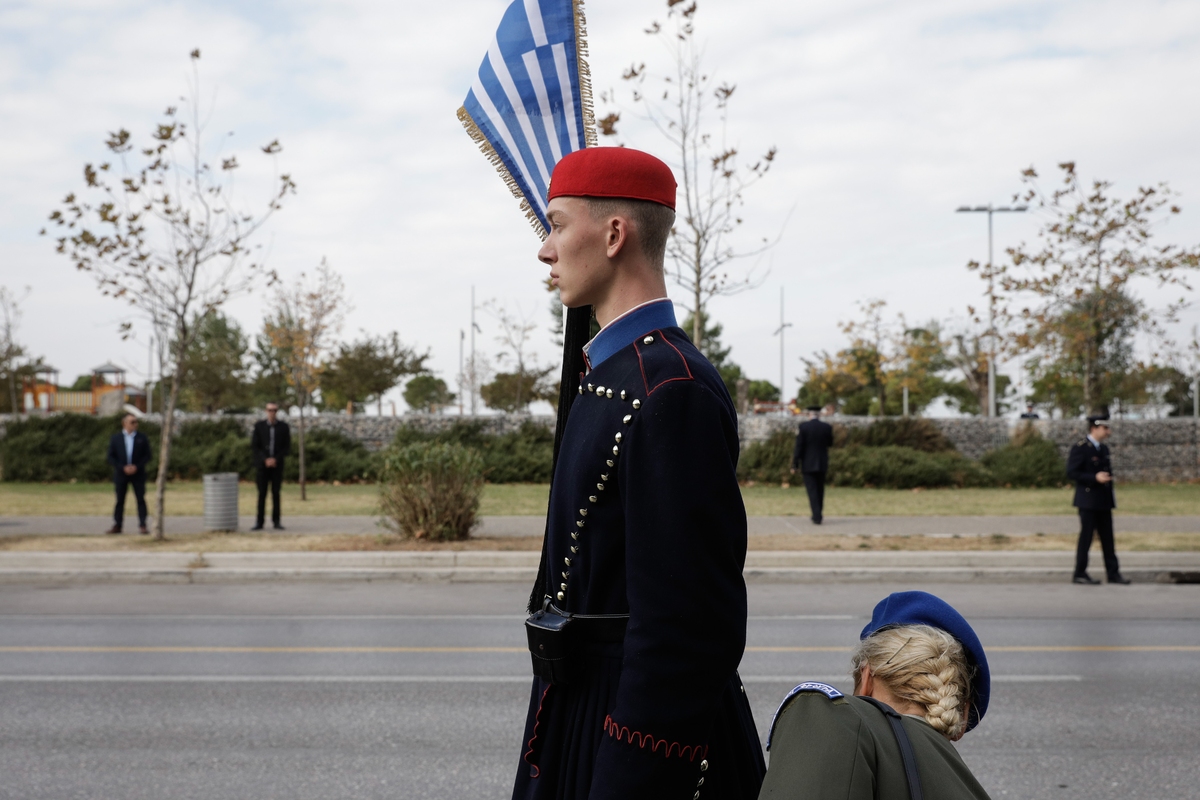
(1143, 450)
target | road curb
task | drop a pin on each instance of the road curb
(477, 566)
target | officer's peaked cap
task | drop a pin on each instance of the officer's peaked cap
(1098, 419)
(922, 608)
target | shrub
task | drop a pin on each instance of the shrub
(524, 456)
(912, 432)
(1029, 460)
(904, 468)
(430, 490)
(768, 461)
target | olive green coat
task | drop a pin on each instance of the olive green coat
(846, 749)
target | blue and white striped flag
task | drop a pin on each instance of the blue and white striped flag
(531, 102)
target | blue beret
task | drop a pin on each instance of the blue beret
(922, 608)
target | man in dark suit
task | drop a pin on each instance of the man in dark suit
(271, 442)
(811, 457)
(1090, 467)
(128, 454)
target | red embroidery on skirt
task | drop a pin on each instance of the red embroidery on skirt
(537, 719)
(644, 740)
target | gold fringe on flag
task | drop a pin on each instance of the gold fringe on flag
(490, 153)
(585, 77)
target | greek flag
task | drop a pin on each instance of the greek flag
(531, 102)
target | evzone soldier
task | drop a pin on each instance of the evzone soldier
(641, 607)
(1090, 466)
(811, 457)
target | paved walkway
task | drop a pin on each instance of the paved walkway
(534, 525)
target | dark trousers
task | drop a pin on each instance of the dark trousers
(122, 482)
(272, 476)
(814, 483)
(1098, 520)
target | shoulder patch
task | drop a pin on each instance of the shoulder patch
(807, 686)
(660, 361)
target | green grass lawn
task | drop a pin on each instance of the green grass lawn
(186, 498)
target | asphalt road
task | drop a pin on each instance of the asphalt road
(401, 690)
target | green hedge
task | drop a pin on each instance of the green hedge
(524, 456)
(1029, 460)
(67, 447)
(870, 457)
(904, 468)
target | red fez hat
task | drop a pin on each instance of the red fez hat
(613, 172)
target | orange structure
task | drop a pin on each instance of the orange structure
(108, 395)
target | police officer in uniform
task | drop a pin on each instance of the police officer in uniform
(1090, 467)
(639, 696)
(811, 457)
(921, 681)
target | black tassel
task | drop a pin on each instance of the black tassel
(576, 333)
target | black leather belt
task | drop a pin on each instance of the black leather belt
(556, 638)
(605, 628)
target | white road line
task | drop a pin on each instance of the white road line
(767, 679)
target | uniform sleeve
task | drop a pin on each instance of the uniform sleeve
(798, 452)
(685, 546)
(818, 752)
(1077, 465)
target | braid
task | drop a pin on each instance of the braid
(921, 665)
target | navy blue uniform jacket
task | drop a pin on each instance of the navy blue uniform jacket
(812, 446)
(116, 453)
(1083, 463)
(646, 518)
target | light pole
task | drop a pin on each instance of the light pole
(779, 331)
(991, 331)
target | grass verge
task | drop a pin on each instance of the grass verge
(186, 498)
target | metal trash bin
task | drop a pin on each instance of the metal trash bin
(221, 501)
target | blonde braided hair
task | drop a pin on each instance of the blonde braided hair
(922, 665)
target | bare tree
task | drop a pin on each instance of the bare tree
(166, 236)
(301, 324)
(517, 389)
(712, 182)
(10, 350)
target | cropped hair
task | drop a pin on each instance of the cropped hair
(652, 221)
(922, 665)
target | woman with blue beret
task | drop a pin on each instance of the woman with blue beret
(921, 681)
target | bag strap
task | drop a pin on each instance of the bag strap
(906, 750)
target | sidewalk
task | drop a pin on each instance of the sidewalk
(535, 525)
(478, 566)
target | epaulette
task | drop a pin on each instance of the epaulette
(1081, 442)
(807, 686)
(660, 361)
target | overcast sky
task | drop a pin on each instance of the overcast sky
(887, 116)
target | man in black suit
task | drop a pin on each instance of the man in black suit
(811, 457)
(128, 454)
(271, 442)
(1090, 467)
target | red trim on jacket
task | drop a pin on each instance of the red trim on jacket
(537, 719)
(644, 740)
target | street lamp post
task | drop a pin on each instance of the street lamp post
(782, 327)
(991, 331)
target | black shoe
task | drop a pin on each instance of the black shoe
(114, 529)
(1085, 579)
(279, 527)
(257, 528)
(1119, 578)
(816, 520)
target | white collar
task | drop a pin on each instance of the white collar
(1095, 444)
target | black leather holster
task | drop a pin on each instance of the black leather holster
(557, 638)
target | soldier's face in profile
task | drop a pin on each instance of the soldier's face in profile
(1100, 433)
(577, 253)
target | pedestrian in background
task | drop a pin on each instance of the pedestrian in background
(128, 454)
(1030, 412)
(1090, 466)
(811, 457)
(921, 681)
(271, 443)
